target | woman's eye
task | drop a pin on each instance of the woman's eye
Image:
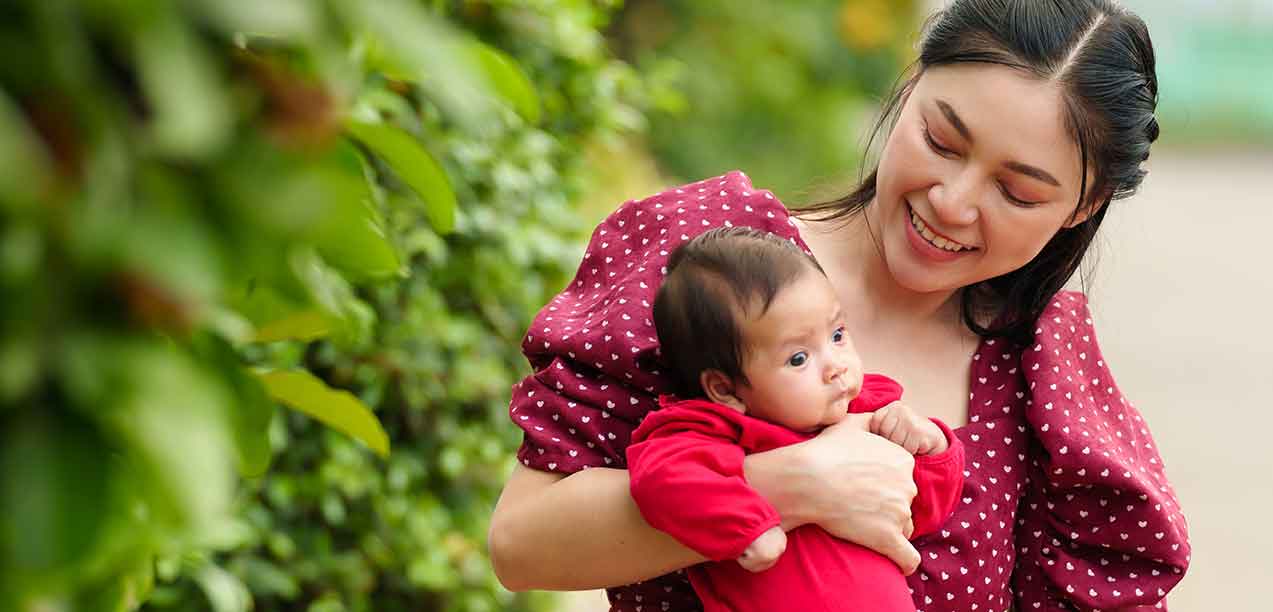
(1015, 200)
(928, 136)
(838, 335)
(798, 359)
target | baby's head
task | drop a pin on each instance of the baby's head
(747, 319)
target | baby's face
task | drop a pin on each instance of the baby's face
(801, 367)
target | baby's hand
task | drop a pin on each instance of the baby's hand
(917, 434)
(764, 551)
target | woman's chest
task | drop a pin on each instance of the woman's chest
(936, 378)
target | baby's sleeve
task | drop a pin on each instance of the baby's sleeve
(687, 480)
(939, 480)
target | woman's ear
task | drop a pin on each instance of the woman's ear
(721, 389)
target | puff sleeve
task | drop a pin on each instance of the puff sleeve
(593, 348)
(1099, 526)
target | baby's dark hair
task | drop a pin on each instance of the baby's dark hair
(712, 281)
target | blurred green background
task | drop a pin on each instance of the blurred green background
(265, 266)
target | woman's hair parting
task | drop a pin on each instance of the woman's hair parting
(713, 282)
(1102, 58)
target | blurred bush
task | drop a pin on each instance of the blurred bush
(210, 207)
(783, 90)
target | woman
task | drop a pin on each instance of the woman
(1023, 121)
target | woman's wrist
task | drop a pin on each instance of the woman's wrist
(780, 476)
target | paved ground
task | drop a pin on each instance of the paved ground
(1181, 300)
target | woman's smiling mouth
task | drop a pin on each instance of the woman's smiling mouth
(934, 238)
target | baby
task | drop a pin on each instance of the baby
(754, 338)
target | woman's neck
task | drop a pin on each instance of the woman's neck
(851, 256)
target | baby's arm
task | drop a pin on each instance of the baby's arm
(939, 462)
(686, 476)
(917, 434)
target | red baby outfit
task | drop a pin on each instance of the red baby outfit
(686, 464)
(1065, 506)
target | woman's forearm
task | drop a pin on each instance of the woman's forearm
(578, 532)
(780, 477)
(585, 532)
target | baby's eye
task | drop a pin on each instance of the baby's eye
(798, 359)
(838, 336)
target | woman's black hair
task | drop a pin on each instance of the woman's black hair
(1102, 57)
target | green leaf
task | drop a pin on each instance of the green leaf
(295, 19)
(508, 81)
(354, 240)
(333, 294)
(251, 410)
(340, 410)
(404, 40)
(25, 167)
(225, 592)
(414, 165)
(304, 325)
(191, 104)
(56, 477)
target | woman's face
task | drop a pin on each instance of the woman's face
(977, 175)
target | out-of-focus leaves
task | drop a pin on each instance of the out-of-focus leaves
(413, 164)
(181, 211)
(224, 590)
(355, 241)
(338, 409)
(286, 19)
(168, 409)
(250, 411)
(56, 478)
(508, 80)
(333, 294)
(303, 325)
(191, 113)
(24, 165)
(405, 41)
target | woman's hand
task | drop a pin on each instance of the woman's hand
(854, 484)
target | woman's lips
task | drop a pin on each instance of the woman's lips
(926, 248)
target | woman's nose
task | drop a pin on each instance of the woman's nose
(954, 199)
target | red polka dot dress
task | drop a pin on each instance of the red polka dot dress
(1065, 504)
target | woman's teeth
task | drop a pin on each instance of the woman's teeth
(933, 238)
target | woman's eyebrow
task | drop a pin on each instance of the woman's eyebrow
(1018, 167)
(1033, 172)
(954, 120)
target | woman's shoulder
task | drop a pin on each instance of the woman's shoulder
(1066, 318)
(602, 319)
(676, 214)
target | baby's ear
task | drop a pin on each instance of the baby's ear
(721, 389)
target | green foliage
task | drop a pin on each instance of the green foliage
(783, 90)
(350, 208)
